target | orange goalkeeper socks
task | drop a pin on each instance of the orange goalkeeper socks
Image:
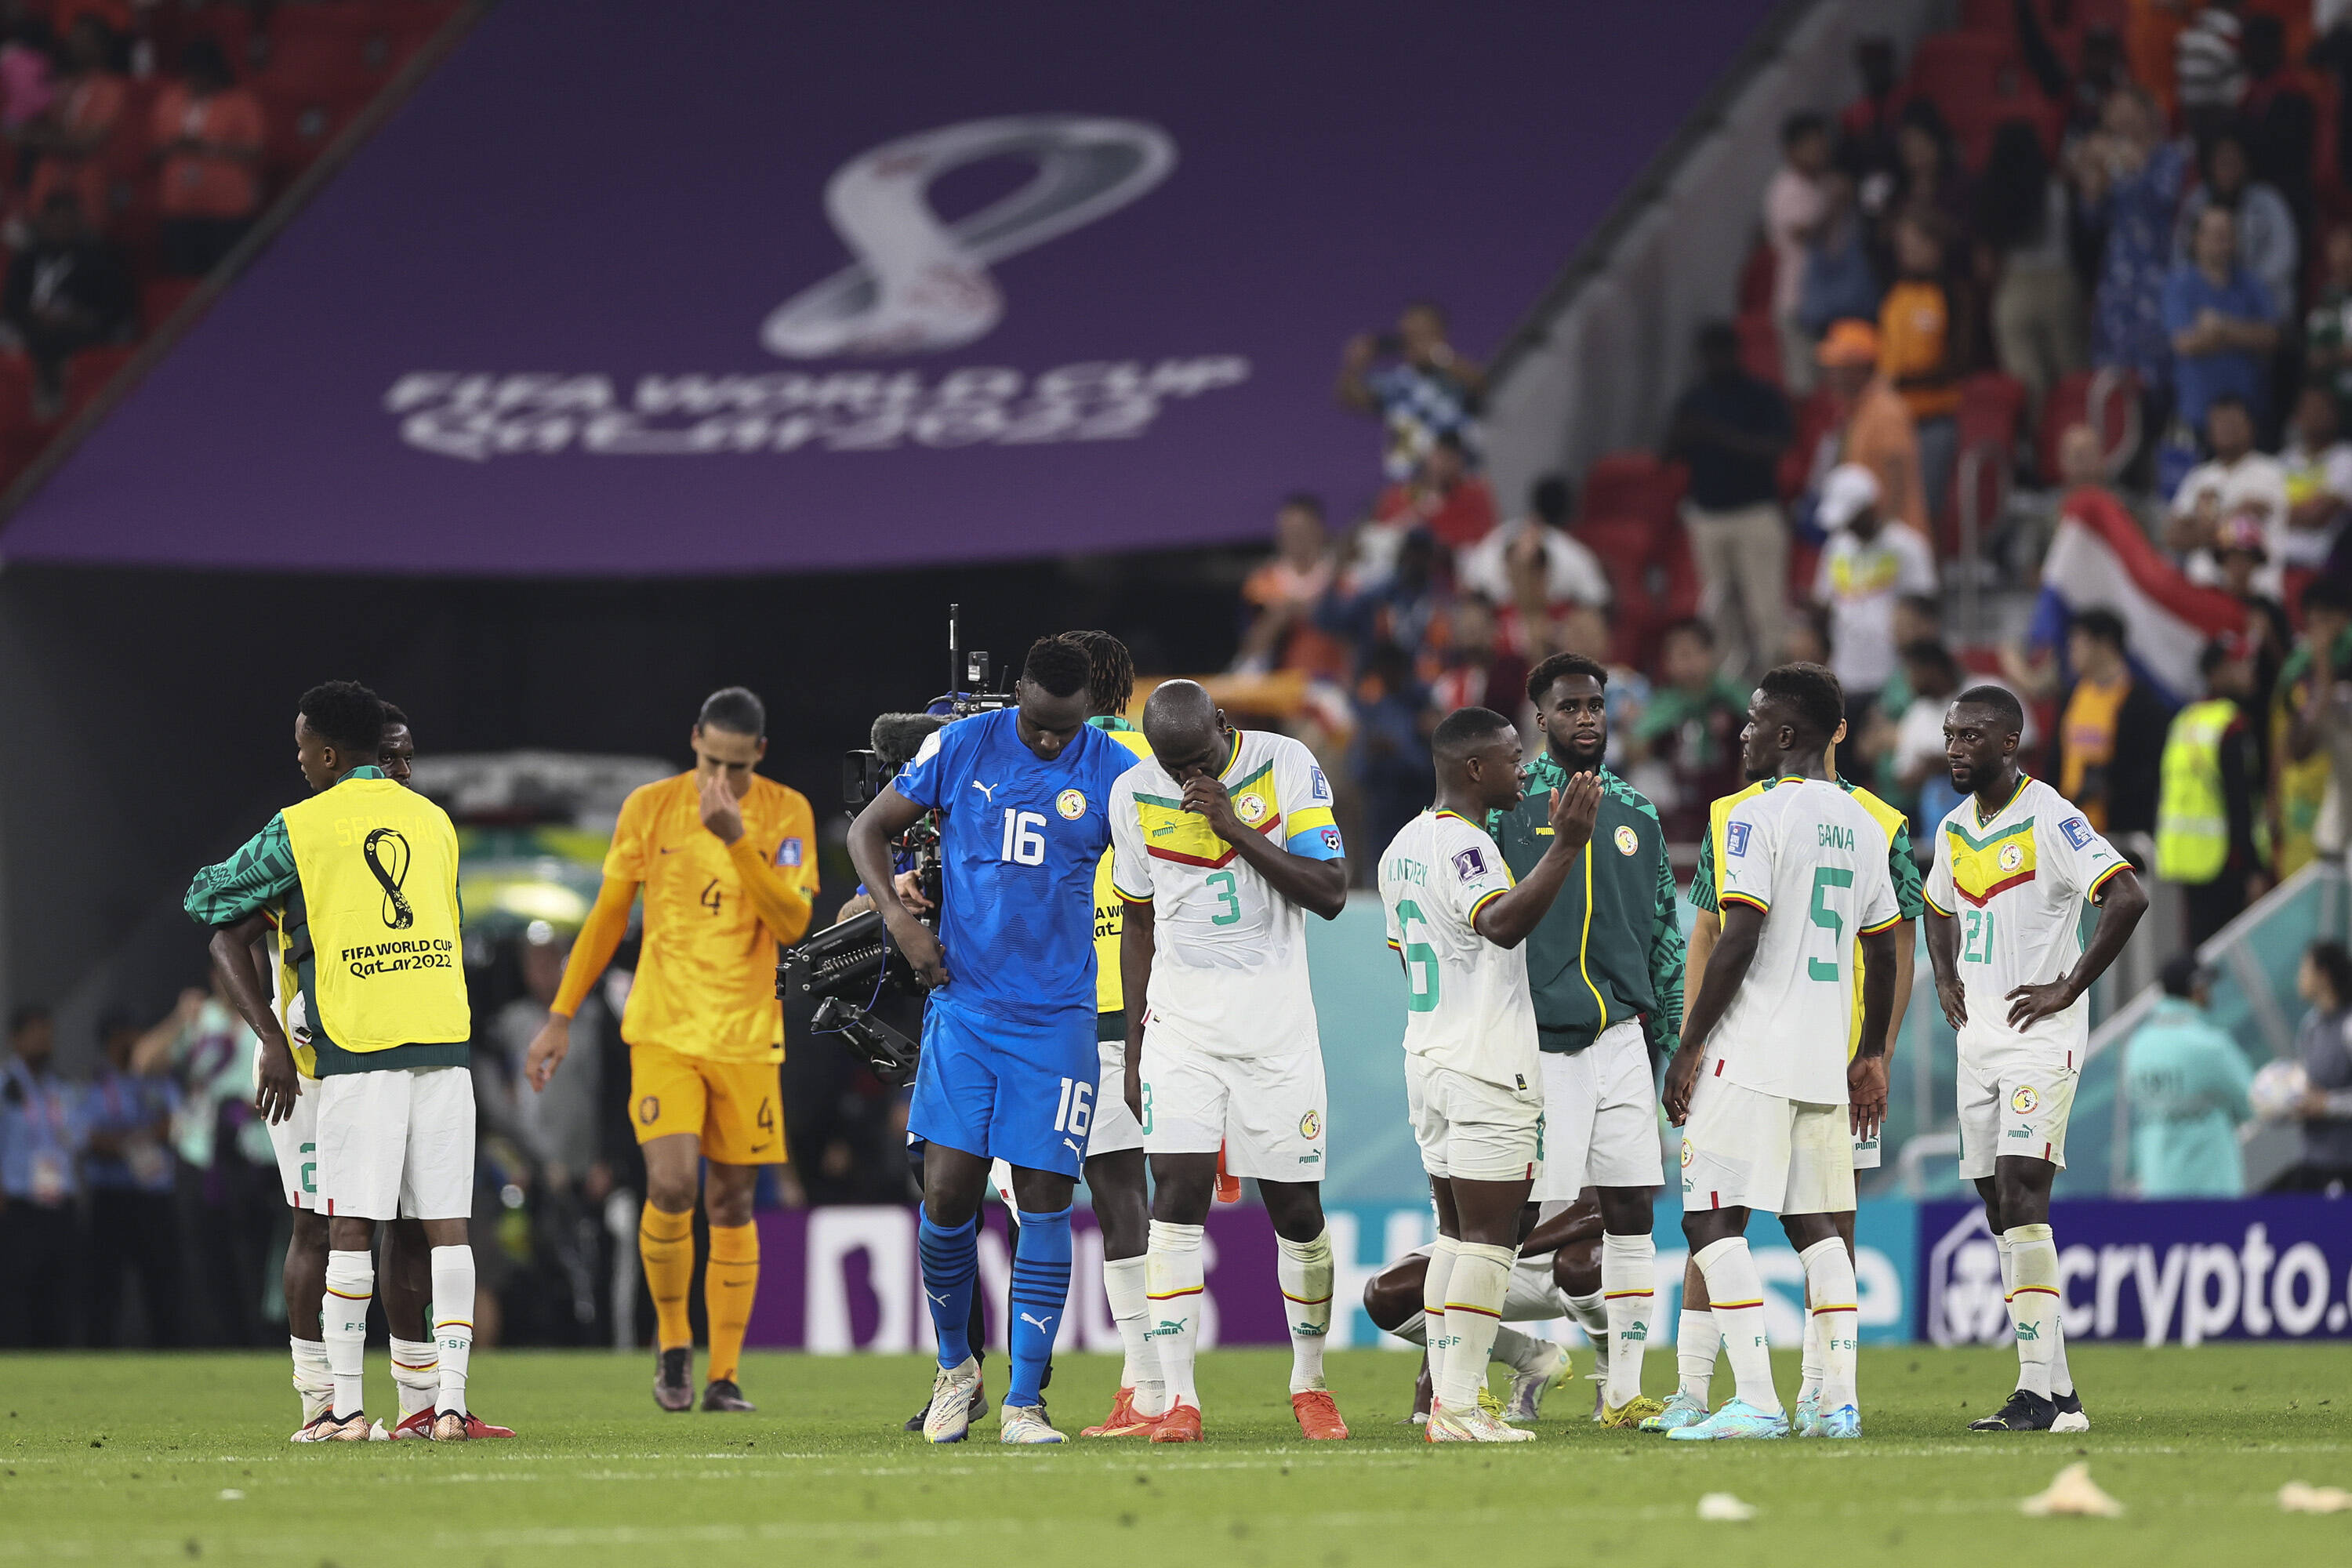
(728, 1282)
(665, 1242)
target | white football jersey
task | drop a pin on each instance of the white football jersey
(1815, 862)
(1229, 953)
(2018, 885)
(1468, 1009)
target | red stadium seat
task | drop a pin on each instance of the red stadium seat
(1634, 484)
(1652, 580)
(16, 393)
(2116, 417)
(1815, 415)
(1756, 275)
(1996, 16)
(160, 298)
(87, 375)
(1977, 81)
(1759, 346)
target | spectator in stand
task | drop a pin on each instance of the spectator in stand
(1399, 609)
(1389, 756)
(2268, 246)
(2236, 482)
(2223, 324)
(209, 132)
(2111, 728)
(2301, 768)
(1281, 596)
(1808, 640)
(41, 1132)
(1731, 429)
(2211, 795)
(2186, 1082)
(1475, 669)
(1840, 272)
(1930, 181)
(2328, 329)
(2210, 76)
(2323, 1045)
(1425, 391)
(1795, 203)
(1918, 617)
(1917, 769)
(1872, 426)
(64, 293)
(128, 1171)
(2332, 53)
(2039, 328)
(1688, 738)
(27, 85)
(1443, 496)
(1865, 147)
(1927, 330)
(1585, 630)
(2082, 92)
(1869, 563)
(2278, 118)
(2317, 464)
(2129, 178)
(71, 138)
(2242, 553)
(1531, 568)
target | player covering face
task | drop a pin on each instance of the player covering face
(1225, 842)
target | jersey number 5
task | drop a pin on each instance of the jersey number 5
(1024, 845)
(1420, 961)
(1824, 878)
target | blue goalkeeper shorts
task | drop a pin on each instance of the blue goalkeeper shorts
(1020, 1090)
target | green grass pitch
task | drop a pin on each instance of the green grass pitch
(184, 1458)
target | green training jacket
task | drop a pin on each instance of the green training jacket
(1611, 944)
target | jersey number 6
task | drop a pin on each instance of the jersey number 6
(1420, 961)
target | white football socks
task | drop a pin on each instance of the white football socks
(2034, 1303)
(1628, 1284)
(1831, 1319)
(415, 1374)
(2061, 1382)
(1125, 1284)
(1304, 1272)
(1737, 1294)
(453, 1321)
(1174, 1278)
(1696, 1339)
(1475, 1289)
(342, 1325)
(314, 1380)
(1433, 1281)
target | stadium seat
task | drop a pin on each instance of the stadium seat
(1634, 484)
(1755, 276)
(1992, 413)
(2117, 417)
(1759, 346)
(87, 375)
(1977, 81)
(16, 415)
(1815, 415)
(160, 298)
(1652, 580)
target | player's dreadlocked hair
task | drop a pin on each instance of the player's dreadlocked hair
(1059, 665)
(346, 715)
(1110, 669)
(1811, 694)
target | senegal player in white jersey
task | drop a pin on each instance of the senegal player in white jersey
(1769, 1123)
(1224, 841)
(2015, 864)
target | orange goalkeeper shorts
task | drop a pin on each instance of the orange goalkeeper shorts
(734, 1108)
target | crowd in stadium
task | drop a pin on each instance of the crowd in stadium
(2100, 271)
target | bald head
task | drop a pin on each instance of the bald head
(1186, 730)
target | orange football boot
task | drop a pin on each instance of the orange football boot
(1229, 1188)
(1318, 1418)
(1124, 1420)
(1180, 1424)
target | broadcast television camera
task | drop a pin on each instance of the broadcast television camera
(861, 987)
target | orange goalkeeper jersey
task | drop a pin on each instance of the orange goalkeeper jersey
(706, 983)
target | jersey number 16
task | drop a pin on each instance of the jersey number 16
(1024, 845)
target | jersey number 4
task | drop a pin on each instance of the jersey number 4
(1824, 878)
(1024, 845)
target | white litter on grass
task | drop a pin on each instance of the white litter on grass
(2074, 1493)
(1722, 1508)
(230, 1494)
(2300, 1497)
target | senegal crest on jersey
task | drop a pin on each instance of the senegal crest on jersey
(1984, 867)
(1171, 833)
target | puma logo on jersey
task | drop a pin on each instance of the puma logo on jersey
(988, 792)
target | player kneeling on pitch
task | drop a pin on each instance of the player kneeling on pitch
(1769, 1115)
(1474, 1076)
(370, 870)
(1223, 841)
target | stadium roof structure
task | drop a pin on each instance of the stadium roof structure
(685, 287)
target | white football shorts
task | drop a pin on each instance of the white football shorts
(1601, 1117)
(399, 1141)
(1469, 1128)
(1114, 1128)
(1265, 1112)
(2014, 1101)
(1745, 1148)
(295, 1141)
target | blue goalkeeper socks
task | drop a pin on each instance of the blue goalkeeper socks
(1041, 1290)
(950, 1259)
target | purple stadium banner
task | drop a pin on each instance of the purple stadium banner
(842, 1280)
(642, 287)
(2161, 1273)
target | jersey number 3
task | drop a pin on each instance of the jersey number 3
(1824, 878)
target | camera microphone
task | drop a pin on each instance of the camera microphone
(896, 737)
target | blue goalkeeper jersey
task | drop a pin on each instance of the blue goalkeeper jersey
(1018, 847)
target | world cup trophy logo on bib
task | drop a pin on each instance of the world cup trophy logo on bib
(387, 856)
